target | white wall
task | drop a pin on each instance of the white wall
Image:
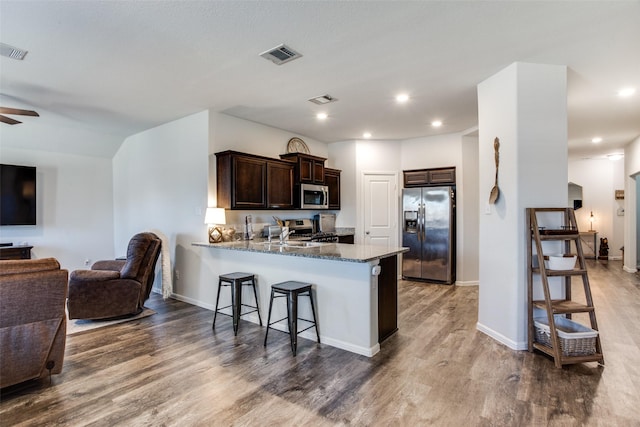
(599, 178)
(375, 156)
(468, 207)
(631, 176)
(74, 207)
(160, 183)
(343, 157)
(231, 133)
(525, 106)
(449, 150)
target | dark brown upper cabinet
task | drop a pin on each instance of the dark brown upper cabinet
(332, 180)
(309, 169)
(436, 176)
(246, 181)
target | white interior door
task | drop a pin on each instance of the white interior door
(380, 208)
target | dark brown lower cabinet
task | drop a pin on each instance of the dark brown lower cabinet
(388, 297)
(348, 238)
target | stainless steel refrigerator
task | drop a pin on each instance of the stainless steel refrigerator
(428, 230)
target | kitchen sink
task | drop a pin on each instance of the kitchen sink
(293, 244)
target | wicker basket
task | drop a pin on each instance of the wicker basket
(575, 339)
(560, 262)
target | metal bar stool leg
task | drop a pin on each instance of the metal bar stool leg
(236, 302)
(255, 294)
(268, 319)
(215, 313)
(313, 311)
(292, 309)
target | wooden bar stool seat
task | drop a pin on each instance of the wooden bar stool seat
(236, 281)
(291, 290)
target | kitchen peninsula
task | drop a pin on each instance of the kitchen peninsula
(355, 285)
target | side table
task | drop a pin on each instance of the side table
(15, 252)
(589, 243)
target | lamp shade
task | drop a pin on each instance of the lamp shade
(215, 216)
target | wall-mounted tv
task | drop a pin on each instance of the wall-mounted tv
(17, 195)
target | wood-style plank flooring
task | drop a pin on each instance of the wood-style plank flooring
(171, 369)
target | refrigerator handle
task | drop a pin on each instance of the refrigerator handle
(421, 215)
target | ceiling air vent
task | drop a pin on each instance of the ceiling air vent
(12, 52)
(324, 99)
(281, 54)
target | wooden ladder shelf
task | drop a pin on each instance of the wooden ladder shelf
(565, 231)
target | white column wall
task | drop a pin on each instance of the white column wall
(631, 174)
(525, 106)
(160, 184)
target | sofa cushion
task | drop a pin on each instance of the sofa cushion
(93, 275)
(19, 266)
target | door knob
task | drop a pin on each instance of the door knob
(366, 232)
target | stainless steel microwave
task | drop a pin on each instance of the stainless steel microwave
(314, 196)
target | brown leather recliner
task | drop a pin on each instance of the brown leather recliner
(33, 324)
(115, 288)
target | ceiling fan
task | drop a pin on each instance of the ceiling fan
(15, 111)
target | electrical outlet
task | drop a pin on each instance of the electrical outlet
(487, 209)
(177, 273)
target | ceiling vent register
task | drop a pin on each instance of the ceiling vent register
(12, 52)
(281, 54)
(324, 99)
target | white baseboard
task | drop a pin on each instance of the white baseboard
(467, 283)
(195, 302)
(310, 334)
(630, 270)
(514, 345)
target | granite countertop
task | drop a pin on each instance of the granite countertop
(332, 251)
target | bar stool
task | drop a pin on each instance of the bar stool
(291, 290)
(236, 281)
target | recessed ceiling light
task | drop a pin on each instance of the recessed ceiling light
(626, 92)
(322, 116)
(596, 140)
(401, 98)
(366, 135)
(436, 123)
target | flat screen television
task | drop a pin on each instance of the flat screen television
(17, 195)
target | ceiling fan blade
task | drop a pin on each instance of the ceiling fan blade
(19, 112)
(8, 120)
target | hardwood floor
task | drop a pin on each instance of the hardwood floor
(171, 369)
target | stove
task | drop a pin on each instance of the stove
(304, 230)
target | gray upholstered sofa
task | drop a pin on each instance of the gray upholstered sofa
(33, 323)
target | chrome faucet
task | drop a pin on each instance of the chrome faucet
(285, 234)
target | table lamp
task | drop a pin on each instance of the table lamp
(591, 219)
(213, 218)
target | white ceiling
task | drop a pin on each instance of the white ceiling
(99, 71)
